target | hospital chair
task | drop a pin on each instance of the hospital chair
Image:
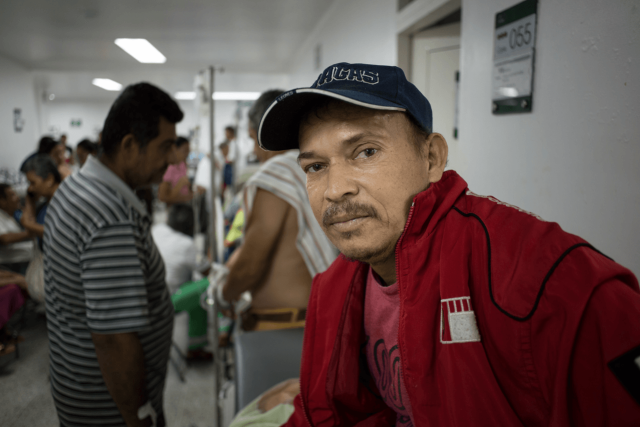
(261, 360)
(264, 359)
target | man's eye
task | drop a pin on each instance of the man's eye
(367, 152)
(314, 167)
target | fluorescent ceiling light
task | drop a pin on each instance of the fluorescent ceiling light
(107, 84)
(236, 96)
(185, 95)
(221, 96)
(141, 50)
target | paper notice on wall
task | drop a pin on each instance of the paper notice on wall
(512, 77)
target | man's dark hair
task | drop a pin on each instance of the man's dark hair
(181, 141)
(231, 129)
(3, 191)
(322, 104)
(43, 166)
(88, 145)
(46, 144)
(261, 105)
(181, 219)
(137, 111)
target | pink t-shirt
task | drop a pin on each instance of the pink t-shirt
(381, 316)
(173, 175)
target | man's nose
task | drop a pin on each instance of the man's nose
(340, 183)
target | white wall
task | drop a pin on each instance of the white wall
(57, 116)
(16, 91)
(356, 31)
(574, 159)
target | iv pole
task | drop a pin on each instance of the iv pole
(216, 255)
(214, 190)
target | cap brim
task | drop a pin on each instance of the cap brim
(280, 124)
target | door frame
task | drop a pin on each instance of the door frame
(415, 17)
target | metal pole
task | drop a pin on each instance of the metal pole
(214, 190)
(213, 237)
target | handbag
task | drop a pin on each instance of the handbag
(35, 274)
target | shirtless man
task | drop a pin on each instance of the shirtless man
(284, 247)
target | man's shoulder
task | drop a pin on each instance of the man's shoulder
(282, 176)
(528, 259)
(285, 163)
(90, 203)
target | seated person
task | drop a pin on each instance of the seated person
(16, 245)
(445, 307)
(284, 246)
(84, 149)
(178, 250)
(175, 186)
(13, 290)
(44, 179)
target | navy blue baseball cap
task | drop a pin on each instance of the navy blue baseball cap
(378, 87)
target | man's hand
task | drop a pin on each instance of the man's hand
(28, 221)
(183, 182)
(121, 361)
(11, 278)
(171, 195)
(9, 238)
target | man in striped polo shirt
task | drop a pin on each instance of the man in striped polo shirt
(109, 312)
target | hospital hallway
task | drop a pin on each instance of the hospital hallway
(24, 383)
(304, 213)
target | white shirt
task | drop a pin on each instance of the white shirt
(13, 252)
(179, 254)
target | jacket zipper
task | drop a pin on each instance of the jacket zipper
(406, 226)
(413, 204)
(304, 340)
(304, 406)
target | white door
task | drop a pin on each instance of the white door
(435, 63)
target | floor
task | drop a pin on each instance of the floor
(25, 400)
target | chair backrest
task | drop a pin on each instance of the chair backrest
(264, 359)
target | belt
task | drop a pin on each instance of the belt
(273, 318)
(285, 315)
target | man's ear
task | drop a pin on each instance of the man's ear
(127, 143)
(438, 154)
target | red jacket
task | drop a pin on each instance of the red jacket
(505, 320)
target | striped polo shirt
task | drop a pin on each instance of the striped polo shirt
(103, 274)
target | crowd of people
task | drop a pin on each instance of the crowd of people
(422, 303)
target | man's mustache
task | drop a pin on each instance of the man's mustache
(349, 209)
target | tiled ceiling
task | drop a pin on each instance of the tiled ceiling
(78, 35)
(67, 42)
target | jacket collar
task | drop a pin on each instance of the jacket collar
(431, 205)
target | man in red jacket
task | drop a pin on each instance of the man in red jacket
(446, 308)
